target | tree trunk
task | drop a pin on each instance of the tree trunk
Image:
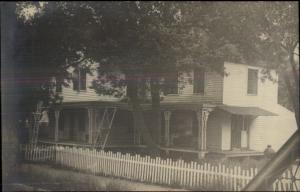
(293, 97)
(155, 95)
(10, 96)
(138, 117)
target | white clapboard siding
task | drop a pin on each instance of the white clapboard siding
(189, 175)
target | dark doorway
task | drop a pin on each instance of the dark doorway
(236, 124)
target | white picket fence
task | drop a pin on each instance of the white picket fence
(189, 175)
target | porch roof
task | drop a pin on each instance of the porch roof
(126, 106)
(253, 111)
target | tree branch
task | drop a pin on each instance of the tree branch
(284, 47)
(75, 63)
(293, 65)
(295, 45)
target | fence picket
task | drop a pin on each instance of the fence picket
(108, 161)
(167, 171)
(152, 167)
(130, 158)
(209, 170)
(234, 178)
(164, 169)
(190, 175)
(156, 174)
(126, 165)
(243, 181)
(197, 177)
(147, 170)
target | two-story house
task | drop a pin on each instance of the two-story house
(203, 112)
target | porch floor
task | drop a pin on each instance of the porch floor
(237, 153)
(81, 144)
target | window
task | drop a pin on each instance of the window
(171, 84)
(199, 80)
(252, 81)
(79, 80)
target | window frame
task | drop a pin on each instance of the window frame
(202, 90)
(252, 92)
(77, 80)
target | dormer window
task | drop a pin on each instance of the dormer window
(252, 81)
(199, 80)
(79, 80)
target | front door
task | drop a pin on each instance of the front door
(239, 132)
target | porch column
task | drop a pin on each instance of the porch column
(91, 114)
(167, 115)
(56, 114)
(202, 116)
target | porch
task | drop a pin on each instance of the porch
(191, 129)
(76, 124)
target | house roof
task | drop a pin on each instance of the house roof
(254, 111)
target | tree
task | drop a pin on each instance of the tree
(140, 48)
(151, 41)
(9, 122)
(146, 41)
(59, 19)
(45, 50)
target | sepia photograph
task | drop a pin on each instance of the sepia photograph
(150, 96)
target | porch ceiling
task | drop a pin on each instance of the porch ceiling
(254, 111)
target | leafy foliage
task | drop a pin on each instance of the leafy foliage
(148, 41)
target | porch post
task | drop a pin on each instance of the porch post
(205, 114)
(202, 116)
(91, 118)
(199, 119)
(56, 114)
(167, 115)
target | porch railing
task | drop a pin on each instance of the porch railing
(189, 175)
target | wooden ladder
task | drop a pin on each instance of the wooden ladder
(105, 127)
(36, 125)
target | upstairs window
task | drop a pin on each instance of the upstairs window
(252, 81)
(79, 80)
(171, 83)
(199, 75)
